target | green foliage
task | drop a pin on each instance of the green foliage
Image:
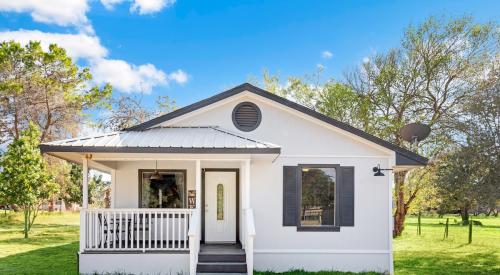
(73, 192)
(45, 87)
(440, 64)
(24, 180)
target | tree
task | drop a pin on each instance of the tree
(439, 64)
(128, 111)
(46, 88)
(73, 193)
(24, 180)
(331, 98)
(467, 176)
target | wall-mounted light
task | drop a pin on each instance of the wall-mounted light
(378, 171)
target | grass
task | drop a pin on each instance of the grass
(430, 253)
(53, 243)
(50, 249)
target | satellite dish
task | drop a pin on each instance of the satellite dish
(415, 132)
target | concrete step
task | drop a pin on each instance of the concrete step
(221, 267)
(216, 257)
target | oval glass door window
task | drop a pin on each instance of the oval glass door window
(220, 202)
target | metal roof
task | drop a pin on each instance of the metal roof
(208, 139)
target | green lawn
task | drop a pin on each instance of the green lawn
(431, 254)
(53, 244)
(51, 248)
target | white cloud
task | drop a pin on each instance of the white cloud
(320, 67)
(178, 76)
(63, 13)
(120, 74)
(128, 77)
(366, 59)
(78, 46)
(326, 54)
(110, 4)
(141, 6)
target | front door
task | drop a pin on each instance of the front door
(220, 206)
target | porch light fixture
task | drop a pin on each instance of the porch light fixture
(378, 171)
(156, 175)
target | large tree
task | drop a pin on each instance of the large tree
(24, 180)
(439, 64)
(45, 87)
(468, 175)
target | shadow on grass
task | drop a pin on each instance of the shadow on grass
(446, 263)
(51, 260)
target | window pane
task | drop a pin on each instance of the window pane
(165, 193)
(318, 196)
(220, 202)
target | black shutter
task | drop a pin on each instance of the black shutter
(290, 195)
(345, 197)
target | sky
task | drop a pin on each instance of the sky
(190, 50)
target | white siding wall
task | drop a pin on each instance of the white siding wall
(304, 140)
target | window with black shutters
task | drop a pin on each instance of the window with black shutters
(318, 197)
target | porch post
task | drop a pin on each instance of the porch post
(113, 188)
(198, 193)
(85, 189)
(85, 202)
(246, 167)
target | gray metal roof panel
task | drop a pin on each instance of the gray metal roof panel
(208, 137)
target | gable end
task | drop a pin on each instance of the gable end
(403, 156)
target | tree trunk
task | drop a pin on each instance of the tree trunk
(26, 222)
(52, 204)
(464, 213)
(400, 213)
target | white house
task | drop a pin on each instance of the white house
(241, 181)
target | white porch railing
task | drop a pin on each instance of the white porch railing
(250, 235)
(194, 241)
(142, 229)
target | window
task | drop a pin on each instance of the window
(169, 192)
(317, 196)
(220, 202)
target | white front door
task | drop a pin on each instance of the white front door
(220, 206)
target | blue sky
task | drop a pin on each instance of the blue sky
(190, 50)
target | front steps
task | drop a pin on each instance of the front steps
(221, 258)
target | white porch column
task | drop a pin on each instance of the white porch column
(198, 193)
(85, 202)
(246, 175)
(85, 189)
(113, 188)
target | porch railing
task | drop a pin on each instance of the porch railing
(134, 229)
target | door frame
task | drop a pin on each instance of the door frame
(237, 171)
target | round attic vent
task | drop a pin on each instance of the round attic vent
(246, 116)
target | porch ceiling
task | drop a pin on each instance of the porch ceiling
(176, 140)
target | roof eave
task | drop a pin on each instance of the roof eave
(46, 148)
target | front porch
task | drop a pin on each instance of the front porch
(159, 217)
(163, 233)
